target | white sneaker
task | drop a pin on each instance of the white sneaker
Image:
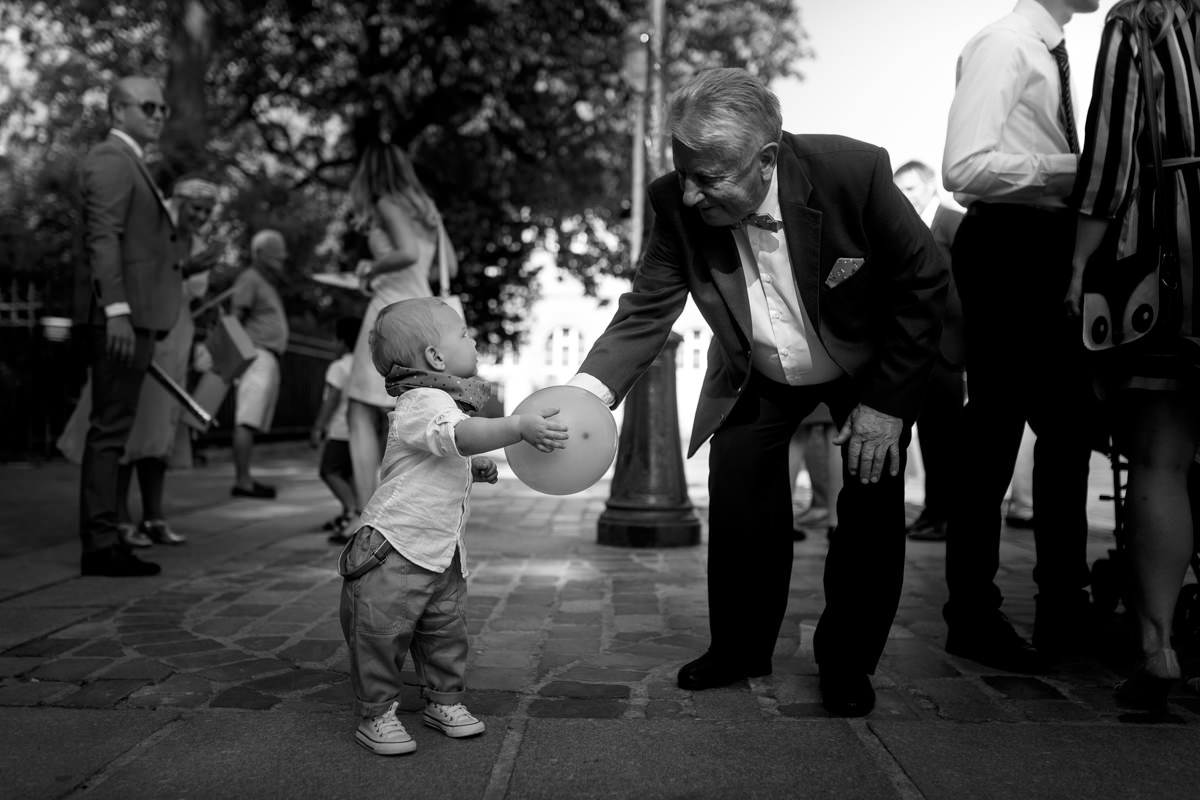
(454, 721)
(384, 735)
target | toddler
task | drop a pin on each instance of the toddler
(332, 428)
(404, 569)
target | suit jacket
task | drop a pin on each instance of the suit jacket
(954, 342)
(881, 324)
(131, 249)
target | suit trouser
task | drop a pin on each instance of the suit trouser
(750, 536)
(938, 429)
(116, 388)
(1025, 362)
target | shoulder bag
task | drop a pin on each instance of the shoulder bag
(1134, 300)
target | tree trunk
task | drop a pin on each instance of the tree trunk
(185, 139)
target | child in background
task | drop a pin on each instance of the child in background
(332, 428)
(404, 570)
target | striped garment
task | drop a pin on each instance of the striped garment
(1117, 140)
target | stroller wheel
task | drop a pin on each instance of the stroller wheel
(1106, 586)
(1187, 617)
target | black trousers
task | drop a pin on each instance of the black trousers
(750, 536)
(1025, 362)
(938, 429)
(115, 391)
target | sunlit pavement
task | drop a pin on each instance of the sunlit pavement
(226, 675)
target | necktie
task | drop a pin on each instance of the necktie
(764, 221)
(1065, 111)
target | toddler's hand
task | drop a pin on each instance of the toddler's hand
(542, 432)
(483, 470)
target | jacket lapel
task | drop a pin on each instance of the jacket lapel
(719, 252)
(802, 229)
(141, 165)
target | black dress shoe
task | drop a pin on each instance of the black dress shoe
(927, 529)
(116, 562)
(991, 641)
(710, 672)
(847, 694)
(258, 490)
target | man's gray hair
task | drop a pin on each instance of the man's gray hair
(727, 110)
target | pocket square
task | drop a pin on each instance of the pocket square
(843, 268)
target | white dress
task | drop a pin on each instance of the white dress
(366, 384)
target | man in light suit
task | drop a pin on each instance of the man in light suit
(841, 303)
(938, 424)
(132, 264)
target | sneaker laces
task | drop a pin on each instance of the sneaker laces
(387, 723)
(455, 713)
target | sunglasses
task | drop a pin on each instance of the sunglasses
(149, 107)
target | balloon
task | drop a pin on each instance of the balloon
(590, 449)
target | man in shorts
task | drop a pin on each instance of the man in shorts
(257, 305)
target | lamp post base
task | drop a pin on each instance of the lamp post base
(641, 527)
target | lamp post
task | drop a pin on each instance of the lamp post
(648, 504)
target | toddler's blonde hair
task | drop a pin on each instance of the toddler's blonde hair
(402, 332)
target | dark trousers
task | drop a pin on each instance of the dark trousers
(938, 429)
(115, 391)
(750, 536)
(1025, 362)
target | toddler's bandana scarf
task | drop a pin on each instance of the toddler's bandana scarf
(469, 393)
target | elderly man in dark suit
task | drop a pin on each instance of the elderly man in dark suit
(820, 284)
(938, 426)
(132, 262)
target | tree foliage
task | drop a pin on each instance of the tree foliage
(514, 111)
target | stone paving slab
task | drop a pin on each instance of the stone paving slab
(1045, 761)
(685, 758)
(48, 752)
(264, 756)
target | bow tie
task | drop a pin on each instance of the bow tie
(764, 221)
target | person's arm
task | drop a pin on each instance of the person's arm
(242, 299)
(107, 184)
(1089, 232)
(640, 327)
(402, 232)
(476, 435)
(329, 403)
(993, 75)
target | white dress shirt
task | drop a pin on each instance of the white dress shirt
(784, 348)
(423, 500)
(1004, 142)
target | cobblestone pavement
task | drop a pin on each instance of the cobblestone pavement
(244, 618)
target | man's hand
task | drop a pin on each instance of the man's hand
(542, 432)
(315, 437)
(120, 339)
(874, 437)
(483, 470)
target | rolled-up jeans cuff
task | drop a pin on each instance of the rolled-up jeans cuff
(445, 698)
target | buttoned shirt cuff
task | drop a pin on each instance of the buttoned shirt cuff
(593, 385)
(117, 310)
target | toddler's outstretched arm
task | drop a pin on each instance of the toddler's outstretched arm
(481, 434)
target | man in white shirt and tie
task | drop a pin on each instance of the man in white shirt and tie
(836, 298)
(1010, 158)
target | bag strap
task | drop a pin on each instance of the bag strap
(1164, 199)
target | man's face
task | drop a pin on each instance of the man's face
(141, 112)
(918, 190)
(1082, 6)
(197, 211)
(724, 189)
(273, 255)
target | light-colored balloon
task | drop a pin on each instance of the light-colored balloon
(591, 446)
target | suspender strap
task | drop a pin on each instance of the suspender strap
(378, 557)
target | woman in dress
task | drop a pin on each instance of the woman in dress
(402, 224)
(1154, 394)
